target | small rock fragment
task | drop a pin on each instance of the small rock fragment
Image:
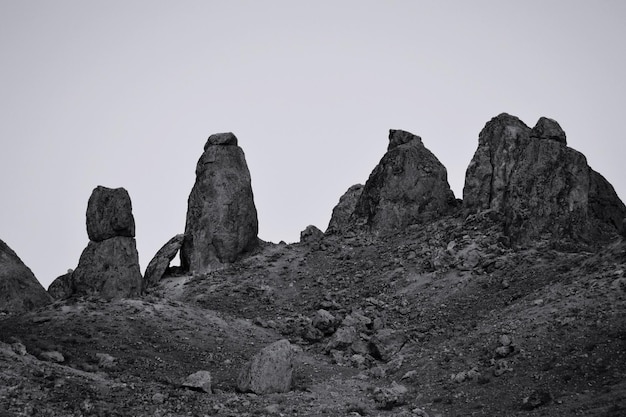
(199, 381)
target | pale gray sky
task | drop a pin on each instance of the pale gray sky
(125, 93)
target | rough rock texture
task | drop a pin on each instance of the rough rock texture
(221, 216)
(109, 266)
(542, 187)
(340, 219)
(408, 186)
(311, 234)
(62, 287)
(269, 371)
(109, 269)
(19, 289)
(161, 260)
(199, 381)
(109, 214)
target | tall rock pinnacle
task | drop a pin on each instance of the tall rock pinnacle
(540, 185)
(221, 216)
(409, 185)
(109, 266)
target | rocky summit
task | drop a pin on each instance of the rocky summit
(19, 289)
(221, 216)
(542, 187)
(511, 303)
(409, 185)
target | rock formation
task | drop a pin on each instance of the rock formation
(62, 287)
(408, 186)
(221, 216)
(19, 289)
(109, 266)
(541, 186)
(161, 260)
(311, 234)
(340, 219)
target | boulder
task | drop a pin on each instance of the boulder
(221, 216)
(199, 381)
(542, 187)
(19, 289)
(311, 234)
(161, 260)
(386, 343)
(109, 214)
(269, 371)
(109, 269)
(340, 219)
(62, 287)
(408, 186)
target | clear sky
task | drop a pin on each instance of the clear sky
(125, 94)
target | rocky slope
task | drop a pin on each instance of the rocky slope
(433, 308)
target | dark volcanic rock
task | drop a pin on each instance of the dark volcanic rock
(109, 265)
(109, 214)
(311, 234)
(542, 187)
(161, 260)
(109, 269)
(62, 287)
(408, 186)
(340, 219)
(19, 289)
(221, 216)
(548, 129)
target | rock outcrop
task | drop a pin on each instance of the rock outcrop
(19, 289)
(541, 186)
(340, 219)
(62, 287)
(269, 371)
(161, 260)
(221, 216)
(408, 186)
(109, 267)
(311, 234)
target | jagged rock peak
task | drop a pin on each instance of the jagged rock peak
(401, 137)
(221, 216)
(549, 129)
(19, 289)
(109, 214)
(409, 185)
(340, 219)
(542, 187)
(221, 139)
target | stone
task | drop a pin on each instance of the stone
(19, 289)
(340, 219)
(408, 186)
(269, 371)
(221, 220)
(199, 381)
(109, 269)
(62, 287)
(105, 361)
(311, 234)
(161, 261)
(109, 214)
(542, 188)
(52, 356)
(536, 399)
(388, 398)
(342, 338)
(548, 129)
(324, 321)
(386, 343)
